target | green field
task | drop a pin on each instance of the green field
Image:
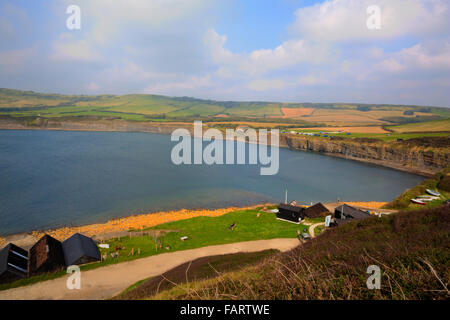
(431, 126)
(146, 107)
(201, 232)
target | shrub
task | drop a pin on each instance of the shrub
(444, 184)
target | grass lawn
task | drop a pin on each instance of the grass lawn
(201, 232)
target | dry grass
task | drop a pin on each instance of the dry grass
(298, 112)
(411, 249)
(355, 117)
(430, 126)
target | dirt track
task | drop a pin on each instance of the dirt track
(106, 282)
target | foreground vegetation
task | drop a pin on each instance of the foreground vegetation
(201, 231)
(411, 249)
(199, 269)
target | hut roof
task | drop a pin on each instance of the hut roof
(46, 254)
(78, 246)
(290, 208)
(350, 211)
(316, 210)
(5, 258)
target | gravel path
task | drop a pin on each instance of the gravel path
(108, 281)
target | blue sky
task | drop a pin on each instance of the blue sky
(285, 50)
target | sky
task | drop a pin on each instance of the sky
(264, 50)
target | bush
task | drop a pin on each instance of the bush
(444, 184)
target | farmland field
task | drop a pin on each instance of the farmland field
(367, 129)
(431, 126)
(355, 118)
(297, 112)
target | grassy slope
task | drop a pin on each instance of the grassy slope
(411, 249)
(199, 269)
(404, 200)
(202, 231)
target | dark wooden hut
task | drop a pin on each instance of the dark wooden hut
(317, 211)
(46, 256)
(13, 263)
(290, 213)
(347, 212)
(79, 249)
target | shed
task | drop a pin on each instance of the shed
(13, 263)
(317, 211)
(347, 212)
(79, 249)
(46, 255)
(290, 213)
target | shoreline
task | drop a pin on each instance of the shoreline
(137, 223)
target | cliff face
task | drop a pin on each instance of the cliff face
(397, 155)
(92, 125)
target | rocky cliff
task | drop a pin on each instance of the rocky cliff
(423, 160)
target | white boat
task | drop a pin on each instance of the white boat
(418, 201)
(433, 193)
(428, 197)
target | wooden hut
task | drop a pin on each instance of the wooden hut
(13, 263)
(290, 213)
(79, 249)
(46, 256)
(317, 211)
(347, 212)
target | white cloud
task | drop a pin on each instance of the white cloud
(181, 87)
(93, 87)
(111, 17)
(13, 61)
(258, 62)
(341, 20)
(266, 85)
(66, 48)
(419, 58)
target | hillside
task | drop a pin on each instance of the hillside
(142, 107)
(411, 248)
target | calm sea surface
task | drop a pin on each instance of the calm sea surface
(56, 178)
